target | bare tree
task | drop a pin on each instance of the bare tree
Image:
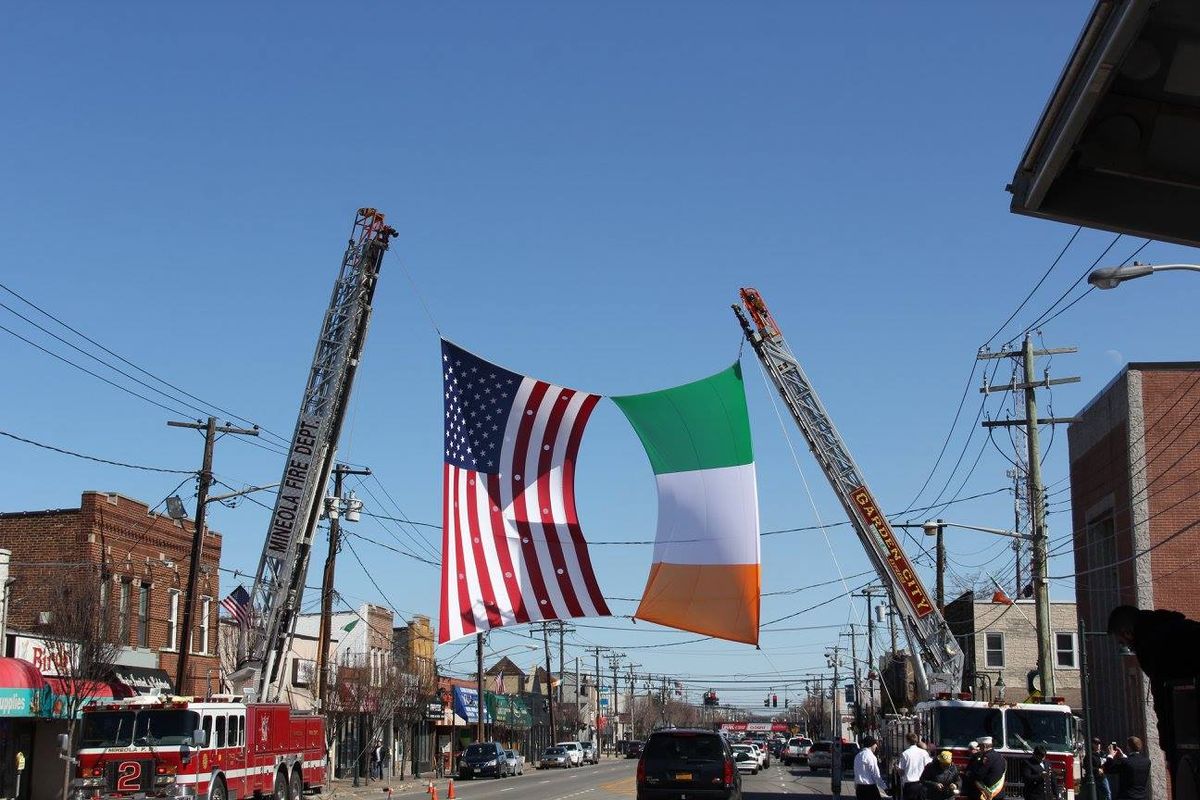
(79, 642)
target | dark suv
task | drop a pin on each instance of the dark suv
(482, 759)
(691, 764)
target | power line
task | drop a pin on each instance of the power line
(124, 360)
(95, 458)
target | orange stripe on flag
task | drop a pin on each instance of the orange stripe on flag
(718, 600)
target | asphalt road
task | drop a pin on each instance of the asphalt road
(614, 780)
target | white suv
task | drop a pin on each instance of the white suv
(574, 752)
(796, 751)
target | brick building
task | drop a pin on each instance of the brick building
(138, 563)
(999, 641)
(1135, 499)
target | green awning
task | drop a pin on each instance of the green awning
(507, 710)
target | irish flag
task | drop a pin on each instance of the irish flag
(705, 575)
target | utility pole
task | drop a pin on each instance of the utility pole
(549, 681)
(834, 656)
(1016, 475)
(869, 593)
(858, 718)
(211, 429)
(479, 687)
(333, 509)
(614, 660)
(597, 736)
(1036, 490)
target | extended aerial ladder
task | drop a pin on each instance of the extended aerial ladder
(279, 582)
(938, 658)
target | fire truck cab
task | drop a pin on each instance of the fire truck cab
(1016, 728)
(216, 749)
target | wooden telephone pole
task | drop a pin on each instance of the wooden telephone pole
(211, 429)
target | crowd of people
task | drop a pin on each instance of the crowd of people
(922, 774)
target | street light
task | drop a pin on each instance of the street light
(1110, 277)
(932, 526)
(1040, 583)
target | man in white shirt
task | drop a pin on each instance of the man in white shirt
(913, 761)
(868, 783)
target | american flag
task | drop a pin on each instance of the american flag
(512, 548)
(238, 606)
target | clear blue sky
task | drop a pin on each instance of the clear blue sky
(580, 190)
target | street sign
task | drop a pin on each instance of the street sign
(604, 702)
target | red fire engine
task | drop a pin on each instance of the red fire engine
(215, 749)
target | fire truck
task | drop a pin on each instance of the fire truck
(945, 716)
(248, 744)
(179, 747)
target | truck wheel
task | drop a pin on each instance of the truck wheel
(296, 785)
(281, 787)
(217, 790)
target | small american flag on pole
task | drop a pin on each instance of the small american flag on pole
(238, 606)
(512, 548)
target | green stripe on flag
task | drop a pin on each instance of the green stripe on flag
(701, 425)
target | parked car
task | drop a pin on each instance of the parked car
(796, 750)
(820, 755)
(633, 749)
(574, 750)
(690, 763)
(747, 764)
(516, 762)
(590, 754)
(483, 759)
(554, 757)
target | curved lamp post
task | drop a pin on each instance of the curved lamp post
(1111, 277)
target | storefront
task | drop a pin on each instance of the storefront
(21, 688)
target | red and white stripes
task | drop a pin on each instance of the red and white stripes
(512, 547)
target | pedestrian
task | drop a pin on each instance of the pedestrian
(377, 760)
(1167, 646)
(1093, 769)
(1132, 770)
(1037, 777)
(941, 780)
(913, 761)
(984, 779)
(868, 783)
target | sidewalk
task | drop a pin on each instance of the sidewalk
(345, 788)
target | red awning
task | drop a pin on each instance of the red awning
(17, 673)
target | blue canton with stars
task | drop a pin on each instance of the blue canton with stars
(478, 397)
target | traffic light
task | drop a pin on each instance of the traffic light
(767, 702)
(785, 702)
(774, 701)
(850, 693)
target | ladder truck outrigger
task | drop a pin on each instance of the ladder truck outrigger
(946, 716)
(249, 743)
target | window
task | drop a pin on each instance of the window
(1064, 650)
(173, 620)
(123, 613)
(994, 649)
(237, 731)
(202, 624)
(143, 626)
(207, 726)
(220, 732)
